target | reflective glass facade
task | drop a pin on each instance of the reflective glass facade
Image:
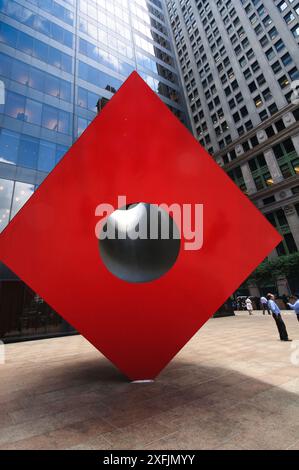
(57, 59)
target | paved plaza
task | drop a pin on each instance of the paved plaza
(234, 386)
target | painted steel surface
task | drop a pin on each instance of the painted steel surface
(136, 148)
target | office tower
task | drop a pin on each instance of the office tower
(239, 61)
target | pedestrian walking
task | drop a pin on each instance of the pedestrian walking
(295, 305)
(249, 306)
(264, 305)
(283, 334)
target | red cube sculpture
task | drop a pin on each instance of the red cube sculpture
(135, 148)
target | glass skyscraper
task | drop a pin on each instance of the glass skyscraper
(57, 59)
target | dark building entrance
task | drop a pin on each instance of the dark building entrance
(24, 315)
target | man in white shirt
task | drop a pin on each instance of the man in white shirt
(264, 305)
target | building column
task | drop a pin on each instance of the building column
(295, 140)
(253, 290)
(249, 181)
(273, 254)
(273, 166)
(282, 286)
(293, 221)
(219, 161)
(288, 119)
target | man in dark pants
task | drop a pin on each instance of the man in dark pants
(277, 317)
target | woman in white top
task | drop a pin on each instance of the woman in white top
(249, 305)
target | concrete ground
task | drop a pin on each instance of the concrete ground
(234, 386)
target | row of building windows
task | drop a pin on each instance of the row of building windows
(253, 142)
(153, 50)
(25, 74)
(37, 22)
(292, 13)
(13, 195)
(120, 66)
(33, 47)
(97, 77)
(212, 91)
(93, 27)
(259, 88)
(105, 58)
(87, 99)
(98, 9)
(99, 35)
(160, 37)
(144, 14)
(156, 68)
(279, 221)
(35, 112)
(29, 152)
(287, 160)
(32, 112)
(48, 54)
(55, 9)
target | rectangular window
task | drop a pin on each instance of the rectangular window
(6, 191)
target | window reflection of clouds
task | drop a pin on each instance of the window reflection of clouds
(6, 190)
(46, 156)
(99, 16)
(142, 23)
(97, 10)
(56, 9)
(144, 15)
(38, 22)
(82, 125)
(13, 195)
(9, 146)
(103, 21)
(161, 88)
(87, 99)
(97, 77)
(33, 47)
(22, 192)
(34, 112)
(153, 49)
(102, 36)
(15, 106)
(105, 58)
(16, 148)
(28, 152)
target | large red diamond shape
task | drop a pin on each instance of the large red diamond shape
(137, 148)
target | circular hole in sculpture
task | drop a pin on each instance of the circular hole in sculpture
(139, 243)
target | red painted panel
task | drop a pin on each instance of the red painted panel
(137, 148)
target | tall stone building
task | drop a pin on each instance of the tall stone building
(239, 62)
